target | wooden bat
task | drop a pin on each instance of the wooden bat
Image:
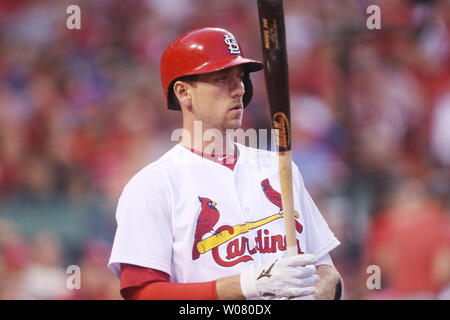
(272, 28)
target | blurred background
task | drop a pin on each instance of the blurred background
(81, 111)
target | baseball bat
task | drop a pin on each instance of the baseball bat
(273, 37)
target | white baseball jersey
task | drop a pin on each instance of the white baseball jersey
(197, 220)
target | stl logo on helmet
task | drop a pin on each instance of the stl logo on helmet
(232, 44)
(236, 249)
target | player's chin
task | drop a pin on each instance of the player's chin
(235, 118)
(234, 123)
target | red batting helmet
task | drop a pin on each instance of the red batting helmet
(202, 51)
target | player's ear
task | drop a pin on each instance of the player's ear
(182, 91)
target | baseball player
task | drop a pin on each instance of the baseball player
(206, 222)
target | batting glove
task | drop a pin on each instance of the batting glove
(283, 277)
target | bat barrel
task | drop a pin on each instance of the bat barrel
(273, 37)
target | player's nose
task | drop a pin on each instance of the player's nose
(237, 88)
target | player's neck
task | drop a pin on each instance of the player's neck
(213, 147)
(198, 136)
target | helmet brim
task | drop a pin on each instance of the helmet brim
(222, 64)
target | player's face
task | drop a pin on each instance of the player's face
(217, 98)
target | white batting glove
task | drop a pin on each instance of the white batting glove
(283, 277)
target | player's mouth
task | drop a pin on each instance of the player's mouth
(237, 107)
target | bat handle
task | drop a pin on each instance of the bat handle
(285, 171)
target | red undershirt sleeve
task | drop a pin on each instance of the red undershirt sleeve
(139, 283)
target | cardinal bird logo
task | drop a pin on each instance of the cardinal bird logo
(275, 197)
(207, 219)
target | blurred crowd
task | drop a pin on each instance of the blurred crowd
(81, 111)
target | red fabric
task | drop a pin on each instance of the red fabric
(174, 291)
(136, 276)
(229, 162)
(139, 283)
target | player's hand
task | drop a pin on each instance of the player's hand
(289, 277)
(308, 297)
